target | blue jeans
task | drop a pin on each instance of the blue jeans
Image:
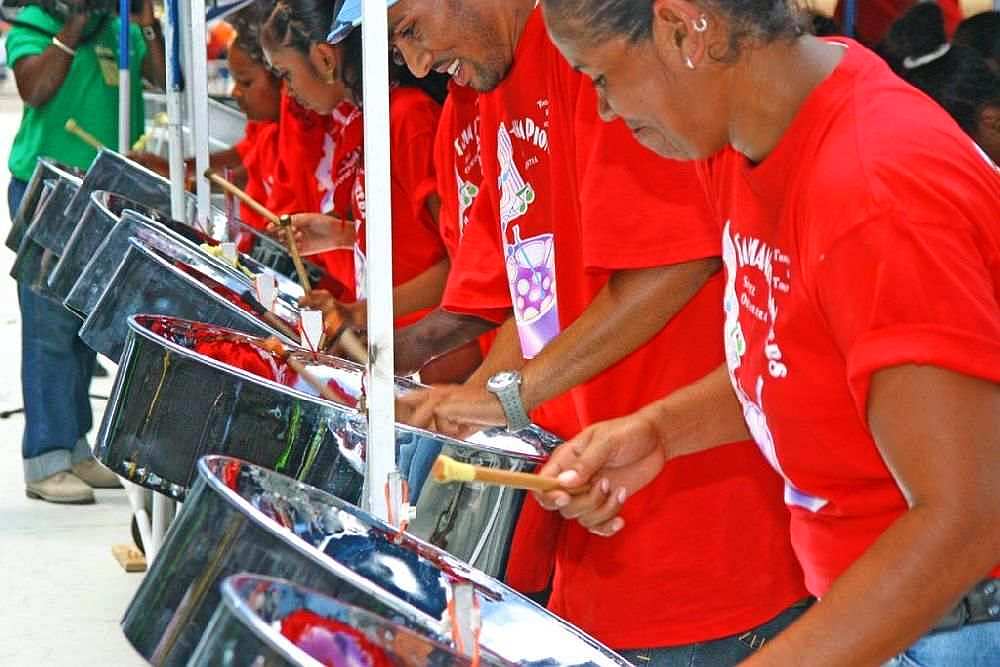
(56, 368)
(718, 652)
(416, 457)
(969, 646)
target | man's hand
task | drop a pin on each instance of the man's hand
(618, 457)
(457, 411)
(315, 233)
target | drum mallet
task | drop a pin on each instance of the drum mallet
(283, 221)
(276, 347)
(343, 334)
(447, 469)
(86, 137)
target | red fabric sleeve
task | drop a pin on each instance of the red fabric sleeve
(414, 125)
(477, 283)
(897, 292)
(638, 210)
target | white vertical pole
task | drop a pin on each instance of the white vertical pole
(198, 83)
(124, 80)
(378, 239)
(175, 109)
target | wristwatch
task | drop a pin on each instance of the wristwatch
(506, 386)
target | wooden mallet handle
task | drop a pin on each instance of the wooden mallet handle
(275, 346)
(86, 137)
(240, 194)
(447, 469)
(284, 221)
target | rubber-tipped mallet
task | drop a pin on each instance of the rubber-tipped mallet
(447, 469)
(278, 348)
(86, 137)
(282, 221)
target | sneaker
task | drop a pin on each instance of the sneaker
(62, 487)
(96, 475)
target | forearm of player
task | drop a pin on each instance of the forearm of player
(632, 307)
(422, 292)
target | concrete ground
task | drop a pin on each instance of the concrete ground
(63, 594)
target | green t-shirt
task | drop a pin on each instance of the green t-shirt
(89, 94)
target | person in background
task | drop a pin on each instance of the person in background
(982, 33)
(874, 17)
(67, 67)
(862, 318)
(253, 161)
(954, 75)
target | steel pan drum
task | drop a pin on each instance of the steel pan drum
(242, 518)
(172, 404)
(46, 169)
(91, 259)
(113, 172)
(34, 260)
(168, 280)
(258, 618)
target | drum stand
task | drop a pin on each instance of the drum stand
(153, 529)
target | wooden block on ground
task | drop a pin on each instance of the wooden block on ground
(129, 557)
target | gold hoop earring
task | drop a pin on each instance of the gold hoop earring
(701, 24)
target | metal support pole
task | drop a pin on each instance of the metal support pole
(175, 110)
(378, 205)
(124, 80)
(198, 82)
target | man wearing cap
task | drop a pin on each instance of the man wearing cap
(607, 259)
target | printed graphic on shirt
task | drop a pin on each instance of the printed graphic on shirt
(467, 193)
(531, 262)
(756, 271)
(360, 261)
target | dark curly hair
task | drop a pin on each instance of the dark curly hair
(300, 24)
(247, 22)
(763, 21)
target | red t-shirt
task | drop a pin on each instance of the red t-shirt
(866, 239)
(874, 17)
(577, 199)
(336, 175)
(258, 152)
(300, 148)
(416, 244)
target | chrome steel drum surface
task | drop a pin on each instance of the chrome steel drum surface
(46, 169)
(242, 518)
(113, 172)
(90, 260)
(35, 261)
(171, 404)
(261, 621)
(172, 280)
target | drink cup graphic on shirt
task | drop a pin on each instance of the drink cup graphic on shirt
(516, 194)
(467, 193)
(531, 273)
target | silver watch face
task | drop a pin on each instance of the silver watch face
(502, 380)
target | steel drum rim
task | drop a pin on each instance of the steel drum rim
(299, 545)
(140, 330)
(230, 597)
(153, 255)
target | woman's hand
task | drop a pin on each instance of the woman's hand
(315, 233)
(617, 457)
